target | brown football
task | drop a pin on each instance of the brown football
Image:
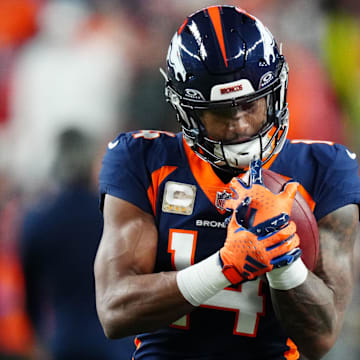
(301, 214)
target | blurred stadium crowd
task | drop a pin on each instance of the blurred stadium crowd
(73, 73)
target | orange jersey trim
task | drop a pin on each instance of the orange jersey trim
(270, 162)
(137, 343)
(307, 197)
(214, 13)
(292, 353)
(16, 333)
(205, 176)
(157, 177)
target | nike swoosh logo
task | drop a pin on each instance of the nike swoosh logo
(111, 145)
(351, 154)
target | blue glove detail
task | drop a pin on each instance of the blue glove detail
(286, 259)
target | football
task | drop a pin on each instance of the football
(301, 214)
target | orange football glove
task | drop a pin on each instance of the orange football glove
(248, 253)
(266, 203)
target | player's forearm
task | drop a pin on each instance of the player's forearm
(309, 315)
(141, 303)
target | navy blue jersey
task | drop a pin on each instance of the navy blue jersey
(160, 174)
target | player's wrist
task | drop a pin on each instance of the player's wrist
(289, 276)
(200, 282)
(228, 269)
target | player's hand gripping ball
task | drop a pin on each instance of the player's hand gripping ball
(301, 213)
(262, 238)
(265, 203)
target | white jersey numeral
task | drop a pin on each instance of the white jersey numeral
(246, 301)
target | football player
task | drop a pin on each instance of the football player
(193, 280)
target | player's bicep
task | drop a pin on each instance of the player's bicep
(338, 232)
(129, 241)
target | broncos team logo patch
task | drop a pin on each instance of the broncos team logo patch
(179, 198)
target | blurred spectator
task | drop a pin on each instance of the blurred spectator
(315, 112)
(72, 73)
(341, 47)
(17, 25)
(17, 21)
(15, 331)
(60, 235)
(155, 22)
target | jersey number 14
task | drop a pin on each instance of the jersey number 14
(247, 301)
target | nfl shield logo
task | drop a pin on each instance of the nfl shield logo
(221, 197)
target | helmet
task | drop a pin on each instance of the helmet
(223, 57)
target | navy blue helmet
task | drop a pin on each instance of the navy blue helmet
(223, 57)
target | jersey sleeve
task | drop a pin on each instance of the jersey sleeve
(123, 173)
(337, 182)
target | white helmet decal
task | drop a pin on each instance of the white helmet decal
(268, 42)
(196, 33)
(174, 58)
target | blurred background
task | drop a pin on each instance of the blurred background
(74, 73)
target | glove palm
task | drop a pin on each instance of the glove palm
(269, 239)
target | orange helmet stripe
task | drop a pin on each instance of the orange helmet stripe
(214, 13)
(181, 28)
